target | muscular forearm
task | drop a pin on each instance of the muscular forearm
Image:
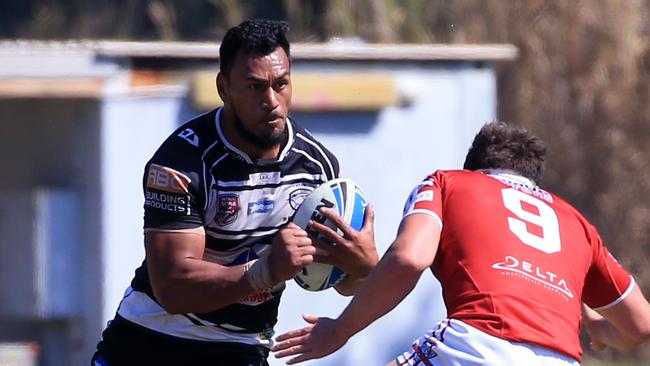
(349, 286)
(623, 325)
(386, 287)
(604, 332)
(199, 286)
(396, 275)
(184, 282)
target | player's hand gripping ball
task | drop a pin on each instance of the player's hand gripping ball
(346, 198)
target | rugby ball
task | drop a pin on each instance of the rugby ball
(343, 196)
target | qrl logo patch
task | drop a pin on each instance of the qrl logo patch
(227, 209)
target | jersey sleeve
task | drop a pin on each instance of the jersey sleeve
(607, 283)
(425, 198)
(335, 164)
(326, 158)
(172, 187)
(329, 161)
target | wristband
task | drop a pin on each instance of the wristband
(258, 274)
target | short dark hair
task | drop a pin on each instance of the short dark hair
(254, 37)
(501, 146)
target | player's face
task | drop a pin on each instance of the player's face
(257, 96)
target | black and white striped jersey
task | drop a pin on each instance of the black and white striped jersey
(197, 178)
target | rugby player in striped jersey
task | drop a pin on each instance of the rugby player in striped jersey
(219, 197)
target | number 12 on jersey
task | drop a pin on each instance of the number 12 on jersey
(549, 241)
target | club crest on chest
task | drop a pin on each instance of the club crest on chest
(227, 209)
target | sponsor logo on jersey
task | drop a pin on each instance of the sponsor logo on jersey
(261, 207)
(298, 195)
(167, 202)
(533, 191)
(167, 179)
(255, 299)
(528, 270)
(418, 194)
(227, 209)
(255, 179)
(424, 196)
(189, 136)
(167, 189)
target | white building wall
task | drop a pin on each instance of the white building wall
(132, 128)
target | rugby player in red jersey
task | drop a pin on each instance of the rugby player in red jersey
(516, 264)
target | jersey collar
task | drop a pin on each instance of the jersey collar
(509, 175)
(235, 149)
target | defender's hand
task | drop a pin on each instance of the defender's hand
(317, 340)
(291, 250)
(355, 252)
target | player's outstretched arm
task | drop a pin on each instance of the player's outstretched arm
(411, 253)
(183, 282)
(354, 251)
(622, 326)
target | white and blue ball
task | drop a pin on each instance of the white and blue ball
(343, 196)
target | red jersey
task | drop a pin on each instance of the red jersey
(516, 261)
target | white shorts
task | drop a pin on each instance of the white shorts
(454, 343)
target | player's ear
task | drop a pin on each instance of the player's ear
(222, 87)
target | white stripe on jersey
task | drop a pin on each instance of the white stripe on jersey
(139, 308)
(227, 257)
(427, 212)
(620, 298)
(205, 153)
(242, 153)
(312, 159)
(329, 163)
(206, 184)
(256, 179)
(287, 147)
(225, 140)
(241, 236)
(218, 160)
(291, 177)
